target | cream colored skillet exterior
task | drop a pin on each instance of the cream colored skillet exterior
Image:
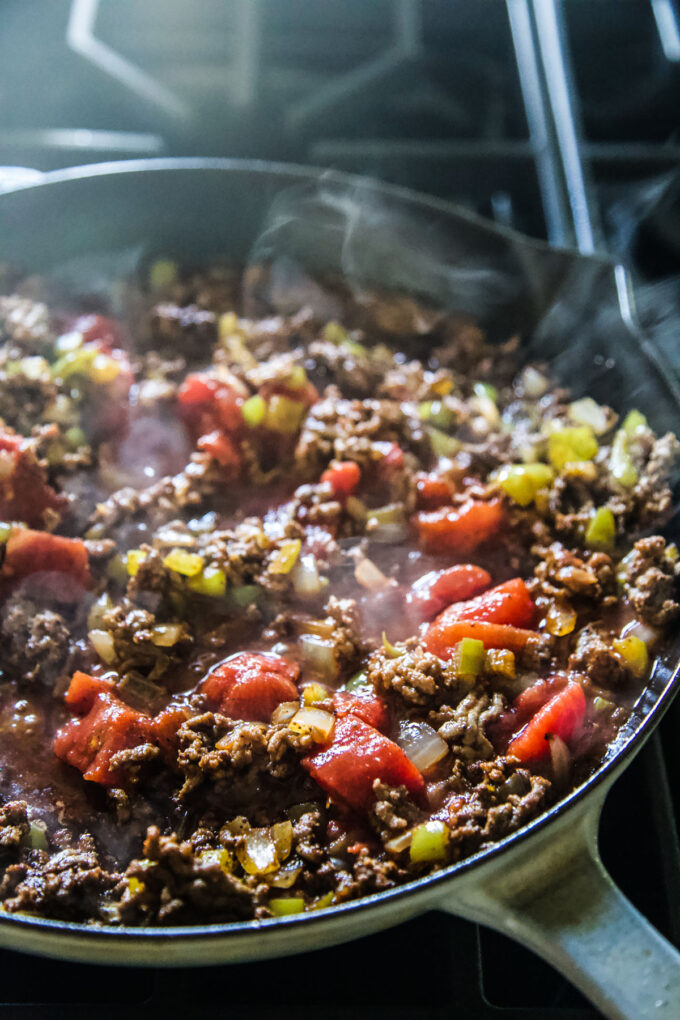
(545, 885)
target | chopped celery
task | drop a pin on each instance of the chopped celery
(468, 657)
(634, 422)
(227, 325)
(501, 661)
(603, 704)
(634, 652)
(134, 560)
(437, 413)
(352, 347)
(245, 594)
(254, 411)
(297, 378)
(323, 901)
(285, 557)
(620, 461)
(566, 445)
(601, 529)
(280, 906)
(74, 362)
(284, 414)
(358, 682)
(182, 562)
(212, 581)
(442, 445)
(163, 274)
(387, 523)
(75, 437)
(37, 835)
(485, 389)
(429, 842)
(391, 650)
(334, 333)
(5, 531)
(522, 482)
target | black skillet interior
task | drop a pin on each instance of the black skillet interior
(87, 223)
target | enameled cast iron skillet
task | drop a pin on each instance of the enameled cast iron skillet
(544, 885)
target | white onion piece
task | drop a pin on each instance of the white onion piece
(369, 576)
(320, 654)
(313, 721)
(286, 876)
(399, 843)
(533, 383)
(640, 630)
(306, 578)
(102, 642)
(257, 853)
(587, 412)
(560, 759)
(421, 744)
(283, 712)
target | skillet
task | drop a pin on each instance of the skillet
(545, 884)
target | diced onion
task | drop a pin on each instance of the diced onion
(399, 843)
(257, 854)
(369, 576)
(282, 834)
(387, 524)
(306, 578)
(534, 384)
(560, 759)
(587, 412)
(165, 635)
(313, 721)
(285, 557)
(286, 876)
(324, 628)
(102, 642)
(311, 693)
(320, 654)
(221, 857)
(186, 563)
(285, 711)
(640, 630)
(560, 619)
(421, 744)
(97, 612)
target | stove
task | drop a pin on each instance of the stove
(559, 119)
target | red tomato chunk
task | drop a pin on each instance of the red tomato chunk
(363, 705)
(432, 592)
(359, 755)
(562, 716)
(249, 685)
(24, 493)
(498, 619)
(459, 530)
(47, 563)
(343, 476)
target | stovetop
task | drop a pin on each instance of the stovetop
(559, 119)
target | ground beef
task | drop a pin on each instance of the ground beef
(24, 326)
(464, 726)
(132, 630)
(175, 884)
(562, 572)
(221, 750)
(595, 657)
(23, 400)
(491, 800)
(651, 582)
(393, 811)
(35, 643)
(14, 827)
(188, 330)
(417, 676)
(70, 885)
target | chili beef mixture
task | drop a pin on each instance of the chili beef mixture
(294, 610)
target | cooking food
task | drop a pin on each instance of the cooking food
(296, 609)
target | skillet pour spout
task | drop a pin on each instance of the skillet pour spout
(543, 885)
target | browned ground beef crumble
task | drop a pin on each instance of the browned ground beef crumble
(223, 818)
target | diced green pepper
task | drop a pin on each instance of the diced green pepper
(620, 461)
(281, 906)
(442, 445)
(182, 562)
(163, 274)
(429, 842)
(75, 437)
(357, 682)
(634, 652)
(284, 414)
(485, 389)
(134, 559)
(5, 531)
(601, 529)
(437, 413)
(212, 581)
(245, 595)
(297, 378)
(566, 445)
(468, 657)
(285, 557)
(254, 411)
(634, 422)
(391, 650)
(522, 482)
(334, 333)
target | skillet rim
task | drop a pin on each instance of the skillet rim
(667, 676)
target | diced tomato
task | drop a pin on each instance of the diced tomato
(347, 769)
(561, 716)
(207, 404)
(363, 705)
(249, 685)
(47, 564)
(222, 449)
(83, 690)
(24, 493)
(433, 492)
(498, 618)
(524, 706)
(89, 743)
(459, 530)
(344, 476)
(509, 602)
(441, 639)
(163, 729)
(433, 591)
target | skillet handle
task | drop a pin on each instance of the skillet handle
(577, 919)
